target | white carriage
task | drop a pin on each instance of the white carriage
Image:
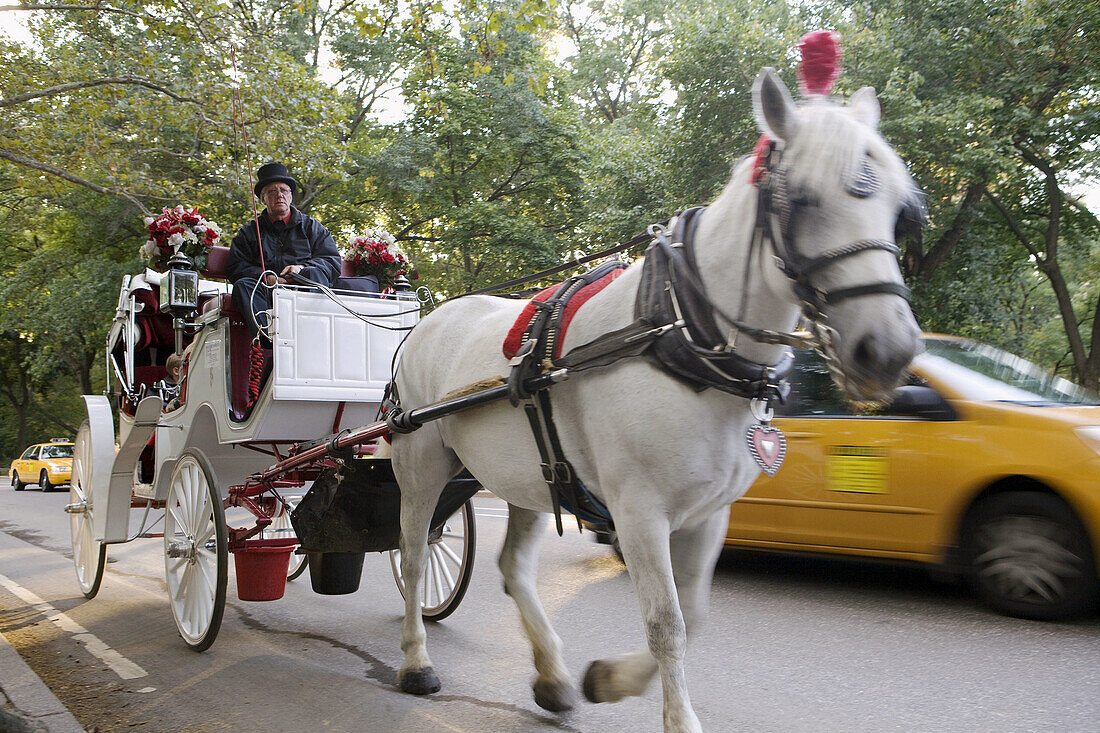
(208, 421)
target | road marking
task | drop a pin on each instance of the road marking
(119, 664)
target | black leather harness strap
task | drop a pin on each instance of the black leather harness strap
(693, 349)
(566, 489)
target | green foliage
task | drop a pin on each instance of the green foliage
(497, 137)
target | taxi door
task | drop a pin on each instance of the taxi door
(27, 465)
(850, 482)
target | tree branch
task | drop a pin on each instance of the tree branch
(1014, 226)
(71, 86)
(925, 265)
(54, 171)
(91, 8)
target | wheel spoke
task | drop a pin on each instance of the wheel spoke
(450, 553)
(437, 582)
(441, 559)
(174, 511)
(208, 532)
(180, 591)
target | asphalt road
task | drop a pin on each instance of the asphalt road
(792, 644)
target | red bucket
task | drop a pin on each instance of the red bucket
(261, 572)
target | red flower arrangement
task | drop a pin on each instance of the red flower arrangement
(376, 253)
(179, 230)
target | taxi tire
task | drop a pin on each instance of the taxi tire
(44, 482)
(1035, 536)
(15, 482)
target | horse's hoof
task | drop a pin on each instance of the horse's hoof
(595, 676)
(420, 682)
(557, 698)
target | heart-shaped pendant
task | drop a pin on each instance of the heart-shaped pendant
(768, 446)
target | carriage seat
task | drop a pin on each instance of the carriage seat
(240, 344)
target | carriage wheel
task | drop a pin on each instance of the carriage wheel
(281, 528)
(450, 565)
(89, 556)
(196, 553)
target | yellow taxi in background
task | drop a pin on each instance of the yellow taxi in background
(48, 464)
(983, 463)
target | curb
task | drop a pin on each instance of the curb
(26, 704)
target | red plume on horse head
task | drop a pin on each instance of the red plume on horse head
(820, 67)
(817, 73)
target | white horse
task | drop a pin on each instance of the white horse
(664, 458)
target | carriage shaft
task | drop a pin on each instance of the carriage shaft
(417, 417)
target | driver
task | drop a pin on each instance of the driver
(293, 244)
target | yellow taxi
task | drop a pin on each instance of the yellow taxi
(983, 464)
(47, 464)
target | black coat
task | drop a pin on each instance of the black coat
(301, 241)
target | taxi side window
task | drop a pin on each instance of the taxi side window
(813, 392)
(29, 454)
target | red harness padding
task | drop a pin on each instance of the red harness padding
(515, 335)
(255, 371)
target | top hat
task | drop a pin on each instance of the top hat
(274, 173)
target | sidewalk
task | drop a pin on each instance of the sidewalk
(26, 704)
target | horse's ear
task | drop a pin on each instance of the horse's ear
(773, 107)
(864, 105)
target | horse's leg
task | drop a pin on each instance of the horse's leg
(518, 563)
(694, 554)
(423, 466)
(671, 578)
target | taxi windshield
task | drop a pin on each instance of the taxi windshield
(57, 451)
(984, 372)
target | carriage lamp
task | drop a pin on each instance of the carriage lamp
(179, 291)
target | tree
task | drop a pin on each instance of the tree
(995, 103)
(482, 180)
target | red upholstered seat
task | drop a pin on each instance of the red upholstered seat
(216, 263)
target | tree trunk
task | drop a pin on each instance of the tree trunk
(920, 264)
(1069, 320)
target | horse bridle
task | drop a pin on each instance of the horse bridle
(776, 219)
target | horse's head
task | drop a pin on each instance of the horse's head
(835, 194)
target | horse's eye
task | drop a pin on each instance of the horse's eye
(864, 184)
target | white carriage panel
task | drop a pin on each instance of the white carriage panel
(311, 349)
(353, 343)
(325, 353)
(134, 435)
(101, 457)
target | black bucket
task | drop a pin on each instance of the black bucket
(335, 573)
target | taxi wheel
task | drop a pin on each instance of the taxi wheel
(15, 482)
(1029, 556)
(44, 482)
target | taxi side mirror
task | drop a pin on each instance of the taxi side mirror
(921, 402)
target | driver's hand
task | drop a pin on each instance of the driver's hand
(290, 270)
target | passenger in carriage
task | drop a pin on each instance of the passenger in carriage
(293, 244)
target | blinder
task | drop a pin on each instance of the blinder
(912, 217)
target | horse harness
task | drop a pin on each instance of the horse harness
(677, 327)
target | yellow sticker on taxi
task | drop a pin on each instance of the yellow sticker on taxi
(857, 469)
